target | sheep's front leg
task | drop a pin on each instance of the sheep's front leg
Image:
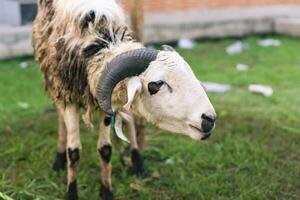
(105, 151)
(136, 158)
(140, 131)
(71, 117)
(61, 157)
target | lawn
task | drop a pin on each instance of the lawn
(254, 153)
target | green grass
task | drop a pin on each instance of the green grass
(254, 152)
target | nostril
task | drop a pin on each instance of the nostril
(208, 123)
(208, 118)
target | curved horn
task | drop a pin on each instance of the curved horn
(131, 63)
(166, 47)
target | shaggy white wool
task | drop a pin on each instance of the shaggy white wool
(77, 9)
(171, 60)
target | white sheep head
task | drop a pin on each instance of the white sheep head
(166, 92)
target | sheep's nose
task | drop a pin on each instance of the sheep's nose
(208, 122)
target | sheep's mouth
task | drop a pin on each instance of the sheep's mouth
(196, 128)
(203, 134)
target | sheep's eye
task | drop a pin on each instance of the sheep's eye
(154, 87)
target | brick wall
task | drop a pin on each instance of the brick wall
(171, 5)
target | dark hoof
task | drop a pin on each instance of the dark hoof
(140, 173)
(137, 164)
(59, 162)
(105, 193)
(72, 193)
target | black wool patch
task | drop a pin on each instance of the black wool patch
(60, 48)
(106, 35)
(72, 70)
(105, 152)
(107, 121)
(72, 193)
(72, 62)
(94, 48)
(89, 18)
(99, 44)
(74, 156)
(60, 161)
(106, 38)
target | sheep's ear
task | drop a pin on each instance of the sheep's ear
(167, 48)
(134, 86)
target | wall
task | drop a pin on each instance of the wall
(173, 5)
(10, 12)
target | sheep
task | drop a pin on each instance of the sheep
(90, 61)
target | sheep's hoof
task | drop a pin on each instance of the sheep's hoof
(72, 193)
(105, 193)
(137, 164)
(59, 162)
(140, 173)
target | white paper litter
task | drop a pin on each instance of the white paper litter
(170, 161)
(261, 89)
(185, 43)
(23, 65)
(242, 67)
(23, 105)
(269, 43)
(236, 48)
(216, 87)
